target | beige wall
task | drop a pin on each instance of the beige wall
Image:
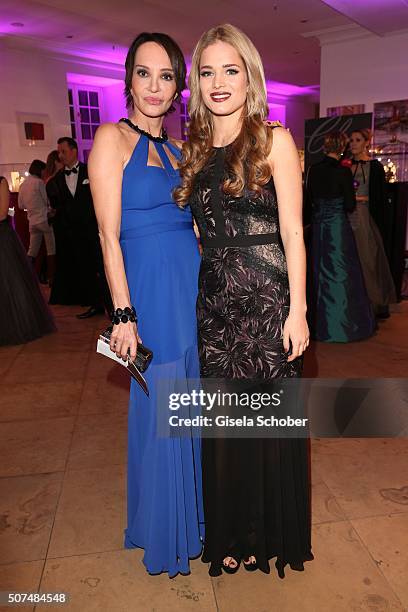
(33, 82)
(364, 71)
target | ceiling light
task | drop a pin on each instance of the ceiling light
(17, 24)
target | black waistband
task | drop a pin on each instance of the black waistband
(219, 242)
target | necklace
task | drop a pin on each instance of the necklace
(163, 138)
(359, 163)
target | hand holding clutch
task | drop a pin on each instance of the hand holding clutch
(136, 367)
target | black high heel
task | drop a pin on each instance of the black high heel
(250, 567)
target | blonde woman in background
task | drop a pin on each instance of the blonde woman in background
(367, 222)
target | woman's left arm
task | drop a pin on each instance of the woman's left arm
(287, 176)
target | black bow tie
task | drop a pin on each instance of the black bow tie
(358, 161)
(73, 170)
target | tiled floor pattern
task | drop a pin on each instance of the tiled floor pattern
(63, 413)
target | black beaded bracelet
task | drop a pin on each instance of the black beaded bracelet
(124, 315)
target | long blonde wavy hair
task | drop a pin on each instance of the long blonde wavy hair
(247, 157)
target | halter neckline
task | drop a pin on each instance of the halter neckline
(160, 139)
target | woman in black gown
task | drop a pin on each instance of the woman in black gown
(24, 315)
(251, 306)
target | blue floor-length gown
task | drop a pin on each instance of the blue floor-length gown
(339, 308)
(161, 257)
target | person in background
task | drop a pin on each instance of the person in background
(367, 222)
(80, 277)
(339, 309)
(32, 197)
(53, 165)
(24, 315)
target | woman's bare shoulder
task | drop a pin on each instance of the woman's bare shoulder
(112, 132)
(114, 139)
(282, 141)
(273, 124)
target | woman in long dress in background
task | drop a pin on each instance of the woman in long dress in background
(151, 260)
(367, 223)
(24, 315)
(338, 309)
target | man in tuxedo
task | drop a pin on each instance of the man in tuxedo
(80, 276)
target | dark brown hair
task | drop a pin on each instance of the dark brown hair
(173, 51)
(70, 142)
(36, 167)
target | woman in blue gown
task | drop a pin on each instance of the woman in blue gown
(339, 308)
(152, 261)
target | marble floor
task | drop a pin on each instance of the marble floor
(62, 490)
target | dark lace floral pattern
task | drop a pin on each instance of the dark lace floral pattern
(243, 291)
(255, 491)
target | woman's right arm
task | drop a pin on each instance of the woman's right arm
(4, 199)
(105, 168)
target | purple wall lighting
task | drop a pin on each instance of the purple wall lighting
(288, 90)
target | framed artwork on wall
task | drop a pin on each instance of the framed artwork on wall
(317, 129)
(391, 138)
(34, 129)
(349, 109)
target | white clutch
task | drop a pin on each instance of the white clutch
(103, 348)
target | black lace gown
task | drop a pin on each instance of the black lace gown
(256, 491)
